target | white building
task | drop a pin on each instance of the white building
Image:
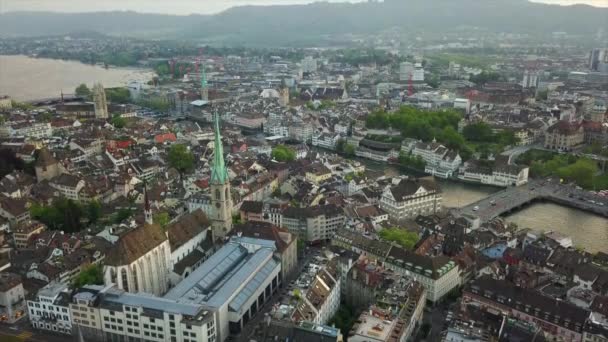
(410, 198)
(234, 283)
(531, 79)
(110, 314)
(50, 309)
(464, 104)
(140, 261)
(406, 70)
(418, 75)
(309, 64)
(325, 140)
(440, 161)
(12, 297)
(34, 130)
(500, 175)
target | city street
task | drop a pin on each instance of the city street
(22, 331)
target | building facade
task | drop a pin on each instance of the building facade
(140, 261)
(410, 198)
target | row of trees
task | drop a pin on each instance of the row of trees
(582, 171)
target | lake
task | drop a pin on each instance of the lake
(24, 78)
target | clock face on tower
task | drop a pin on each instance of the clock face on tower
(218, 205)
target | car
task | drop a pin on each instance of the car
(475, 208)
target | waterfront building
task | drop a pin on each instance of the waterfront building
(439, 160)
(408, 198)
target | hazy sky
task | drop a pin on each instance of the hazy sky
(177, 6)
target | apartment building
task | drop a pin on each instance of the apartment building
(50, 310)
(316, 223)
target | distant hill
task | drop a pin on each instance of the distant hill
(285, 24)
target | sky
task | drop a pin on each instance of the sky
(178, 6)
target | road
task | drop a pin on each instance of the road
(22, 332)
(509, 199)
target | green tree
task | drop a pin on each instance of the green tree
(181, 158)
(412, 161)
(90, 275)
(93, 211)
(404, 238)
(118, 95)
(121, 215)
(162, 219)
(64, 214)
(45, 117)
(283, 153)
(118, 121)
(478, 132)
(21, 105)
(349, 150)
(83, 90)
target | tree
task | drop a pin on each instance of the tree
(64, 214)
(118, 95)
(93, 211)
(83, 91)
(405, 238)
(91, 275)
(181, 158)
(45, 117)
(283, 153)
(162, 219)
(478, 132)
(118, 121)
(21, 105)
(349, 150)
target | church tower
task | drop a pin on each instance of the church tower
(100, 102)
(204, 87)
(221, 199)
(147, 209)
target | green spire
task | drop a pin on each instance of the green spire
(203, 78)
(219, 172)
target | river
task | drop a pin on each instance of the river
(588, 231)
(24, 78)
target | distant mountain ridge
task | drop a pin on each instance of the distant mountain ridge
(282, 24)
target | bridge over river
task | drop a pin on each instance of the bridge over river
(512, 199)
